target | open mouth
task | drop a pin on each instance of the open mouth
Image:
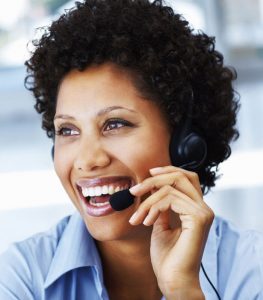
(99, 195)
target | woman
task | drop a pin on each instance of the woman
(122, 86)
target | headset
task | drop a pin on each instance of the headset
(188, 150)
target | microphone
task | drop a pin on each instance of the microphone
(121, 200)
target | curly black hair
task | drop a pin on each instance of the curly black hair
(167, 59)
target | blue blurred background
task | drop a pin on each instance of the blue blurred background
(31, 198)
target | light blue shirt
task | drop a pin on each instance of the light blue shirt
(64, 263)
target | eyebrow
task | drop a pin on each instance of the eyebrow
(99, 113)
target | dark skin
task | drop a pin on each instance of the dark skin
(131, 278)
(128, 277)
(129, 281)
(155, 246)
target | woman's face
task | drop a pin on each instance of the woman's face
(109, 138)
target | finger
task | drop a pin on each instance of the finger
(192, 217)
(155, 212)
(192, 176)
(178, 180)
(145, 206)
(166, 192)
(171, 202)
(164, 197)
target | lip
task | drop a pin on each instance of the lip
(95, 211)
(102, 181)
(106, 209)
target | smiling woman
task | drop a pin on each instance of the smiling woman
(102, 141)
(138, 106)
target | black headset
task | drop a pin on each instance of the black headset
(187, 148)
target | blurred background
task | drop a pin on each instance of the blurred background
(31, 198)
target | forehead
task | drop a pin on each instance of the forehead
(98, 87)
(83, 95)
(97, 83)
(97, 76)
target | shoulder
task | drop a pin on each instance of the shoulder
(239, 257)
(230, 239)
(26, 263)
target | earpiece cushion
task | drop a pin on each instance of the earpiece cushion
(188, 151)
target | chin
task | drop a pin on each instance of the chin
(109, 233)
(107, 228)
(114, 230)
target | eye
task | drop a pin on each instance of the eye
(114, 124)
(66, 131)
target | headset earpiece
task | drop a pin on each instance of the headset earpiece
(187, 148)
(52, 152)
(53, 146)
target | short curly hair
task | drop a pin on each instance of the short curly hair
(168, 60)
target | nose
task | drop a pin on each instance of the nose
(91, 155)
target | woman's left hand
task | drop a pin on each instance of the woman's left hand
(177, 244)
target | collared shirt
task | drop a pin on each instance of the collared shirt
(63, 263)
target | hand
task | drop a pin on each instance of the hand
(181, 221)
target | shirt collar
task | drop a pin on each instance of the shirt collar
(82, 252)
(76, 249)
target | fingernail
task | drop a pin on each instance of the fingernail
(133, 217)
(146, 220)
(156, 170)
(135, 188)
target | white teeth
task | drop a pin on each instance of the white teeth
(91, 192)
(105, 190)
(111, 190)
(98, 204)
(98, 190)
(102, 190)
(85, 192)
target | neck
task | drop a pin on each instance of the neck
(127, 266)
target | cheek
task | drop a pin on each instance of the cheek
(62, 162)
(152, 155)
(143, 154)
(63, 167)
